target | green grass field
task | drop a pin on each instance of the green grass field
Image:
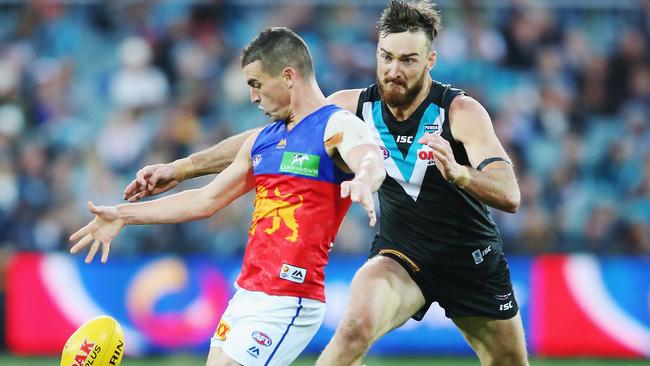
(6, 360)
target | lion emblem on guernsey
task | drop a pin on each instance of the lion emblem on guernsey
(280, 208)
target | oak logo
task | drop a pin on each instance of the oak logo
(88, 353)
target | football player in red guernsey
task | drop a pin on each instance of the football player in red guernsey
(306, 168)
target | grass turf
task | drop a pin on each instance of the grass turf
(7, 360)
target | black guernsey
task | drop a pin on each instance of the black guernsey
(419, 208)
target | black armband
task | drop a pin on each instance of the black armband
(487, 161)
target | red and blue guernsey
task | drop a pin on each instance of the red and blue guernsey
(298, 209)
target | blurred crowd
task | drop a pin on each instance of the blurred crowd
(91, 92)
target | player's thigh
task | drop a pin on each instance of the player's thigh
(216, 357)
(495, 339)
(383, 294)
(259, 329)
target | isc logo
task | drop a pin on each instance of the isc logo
(404, 139)
(506, 306)
(261, 338)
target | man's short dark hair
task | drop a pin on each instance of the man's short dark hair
(277, 48)
(402, 16)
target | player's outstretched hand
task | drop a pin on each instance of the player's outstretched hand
(445, 161)
(150, 181)
(360, 192)
(103, 229)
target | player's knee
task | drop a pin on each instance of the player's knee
(358, 331)
(509, 356)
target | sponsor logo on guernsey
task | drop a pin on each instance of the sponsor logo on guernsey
(254, 351)
(426, 153)
(261, 338)
(300, 163)
(502, 297)
(222, 330)
(403, 139)
(293, 273)
(478, 254)
(257, 159)
(282, 144)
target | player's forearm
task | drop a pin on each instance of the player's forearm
(212, 160)
(495, 187)
(184, 206)
(371, 171)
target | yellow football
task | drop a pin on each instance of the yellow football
(98, 342)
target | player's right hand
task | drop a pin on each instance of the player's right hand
(360, 192)
(150, 181)
(103, 229)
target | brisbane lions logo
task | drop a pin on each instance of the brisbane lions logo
(280, 208)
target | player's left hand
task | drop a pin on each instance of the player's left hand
(445, 161)
(359, 192)
(103, 229)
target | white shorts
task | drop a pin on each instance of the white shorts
(261, 329)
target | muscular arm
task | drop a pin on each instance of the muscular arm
(185, 206)
(211, 160)
(350, 137)
(350, 132)
(346, 99)
(194, 204)
(496, 185)
(158, 178)
(155, 179)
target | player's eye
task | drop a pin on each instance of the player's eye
(408, 61)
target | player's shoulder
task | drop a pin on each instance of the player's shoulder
(444, 95)
(346, 99)
(369, 94)
(465, 103)
(260, 134)
(343, 118)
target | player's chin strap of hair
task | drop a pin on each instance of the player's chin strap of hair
(487, 161)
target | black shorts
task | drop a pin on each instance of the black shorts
(464, 281)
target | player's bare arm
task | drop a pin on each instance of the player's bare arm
(495, 183)
(346, 99)
(351, 138)
(194, 204)
(158, 178)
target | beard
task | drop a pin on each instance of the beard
(393, 96)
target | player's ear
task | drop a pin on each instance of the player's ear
(289, 76)
(431, 59)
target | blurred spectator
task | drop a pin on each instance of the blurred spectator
(138, 84)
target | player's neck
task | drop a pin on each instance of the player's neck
(306, 98)
(403, 113)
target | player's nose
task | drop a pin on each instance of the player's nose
(394, 70)
(255, 96)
